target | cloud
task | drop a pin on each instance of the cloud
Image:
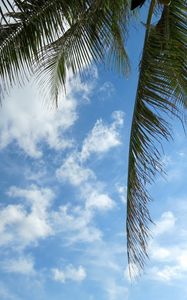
(103, 137)
(6, 294)
(105, 251)
(106, 90)
(122, 192)
(26, 120)
(22, 265)
(100, 201)
(165, 274)
(76, 223)
(165, 224)
(69, 273)
(33, 219)
(116, 291)
(173, 264)
(26, 223)
(73, 171)
(95, 198)
(168, 250)
(159, 253)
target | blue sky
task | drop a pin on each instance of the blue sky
(63, 195)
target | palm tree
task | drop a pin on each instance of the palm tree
(59, 36)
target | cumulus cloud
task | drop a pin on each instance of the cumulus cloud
(25, 223)
(100, 201)
(95, 198)
(69, 273)
(26, 120)
(103, 137)
(33, 219)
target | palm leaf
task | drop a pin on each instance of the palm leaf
(27, 27)
(65, 34)
(161, 90)
(97, 35)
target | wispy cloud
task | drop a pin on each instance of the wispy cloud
(165, 224)
(69, 273)
(106, 90)
(76, 223)
(103, 137)
(73, 171)
(22, 265)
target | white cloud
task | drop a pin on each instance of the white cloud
(182, 260)
(22, 265)
(69, 273)
(168, 250)
(76, 223)
(159, 253)
(28, 121)
(165, 224)
(33, 219)
(27, 222)
(73, 171)
(165, 274)
(103, 137)
(116, 291)
(100, 201)
(95, 198)
(173, 267)
(122, 191)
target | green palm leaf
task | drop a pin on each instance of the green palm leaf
(97, 35)
(26, 29)
(161, 90)
(61, 35)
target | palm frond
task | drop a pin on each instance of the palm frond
(27, 27)
(65, 34)
(97, 35)
(161, 90)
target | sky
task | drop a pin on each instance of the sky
(63, 194)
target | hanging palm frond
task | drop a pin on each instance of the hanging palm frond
(63, 33)
(26, 28)
(162, 89)
(99, 33)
